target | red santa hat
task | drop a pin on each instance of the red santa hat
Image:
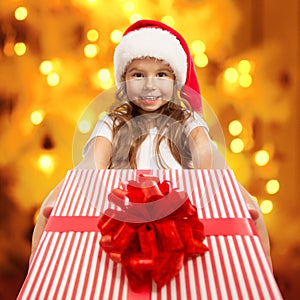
(148, 38)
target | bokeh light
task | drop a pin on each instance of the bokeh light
(104, 74)
(262, 157)
(90, 50)
(46, 67)
(92, 35)
(237, 145)
(46, 163)
(37, 117)
(266, 206)
(245, 80)
(129, 6)
(21, 13)
(53, 79)
(235, 127)
(272, 186)
(201, 60)
(197, 47)
(168, 20)
(84, 126)
(231, 75)
(105, 79)
(244, 66)
(20, 48)
(116, 36)
(135, 17)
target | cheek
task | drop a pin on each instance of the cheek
(167, 88)
(133, 88)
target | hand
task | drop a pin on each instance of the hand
(254, 213)
(258, 219)
(41, 223)
(47, 211)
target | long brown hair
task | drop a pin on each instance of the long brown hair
(131, 127)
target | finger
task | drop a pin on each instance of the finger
(47, 211)
(253, 213)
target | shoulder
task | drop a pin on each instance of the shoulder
(102, 129)
(195, 121)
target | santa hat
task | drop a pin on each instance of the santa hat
(148, 38)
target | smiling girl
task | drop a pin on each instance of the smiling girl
(156, 121)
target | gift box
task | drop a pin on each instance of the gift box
(70, 264)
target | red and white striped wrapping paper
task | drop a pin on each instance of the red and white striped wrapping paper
(71, 265)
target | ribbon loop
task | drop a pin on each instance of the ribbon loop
(151, 250)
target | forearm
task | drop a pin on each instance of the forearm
(258, 219)
(206, 155)
(42, 220)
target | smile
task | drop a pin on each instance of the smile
(150, 98)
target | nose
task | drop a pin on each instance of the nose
(150, 83)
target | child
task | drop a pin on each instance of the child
(153, 124)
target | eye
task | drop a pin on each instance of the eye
(137, 75)
(162, 74)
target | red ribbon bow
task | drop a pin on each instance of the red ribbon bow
(156, 229)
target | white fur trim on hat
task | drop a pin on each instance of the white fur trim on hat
(150, 42)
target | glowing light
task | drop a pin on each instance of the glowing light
(261, 157)
(237, 145)
(106, 84)
(91, 1)
(53, 79)
(272, 186)
(84, 126)
(90, 50)
(37, 117)
(135, 17)
(201, 60)
(231, 75)
(235, 127)
(245, 80)
(197, 47)
(46, 163)
(116, 36)
(129, 6)
(20, 49)
(244, 66)
(168, 20)
(46, 67)
(21, 13)
(92, 35)
(102, 115)
(104, 74)
(266, 206)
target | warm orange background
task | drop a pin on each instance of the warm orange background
(264, 32)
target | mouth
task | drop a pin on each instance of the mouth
(150, 99)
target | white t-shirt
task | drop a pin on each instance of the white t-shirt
(146, 153)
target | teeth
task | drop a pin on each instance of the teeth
(151, 98)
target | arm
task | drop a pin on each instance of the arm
(44, 214)
(206, 156)
(258, 219)
(97, 156)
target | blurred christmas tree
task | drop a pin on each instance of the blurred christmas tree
(56, 56)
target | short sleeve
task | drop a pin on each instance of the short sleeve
(103, 128)
(193, 122)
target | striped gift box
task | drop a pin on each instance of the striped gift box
(69, 263)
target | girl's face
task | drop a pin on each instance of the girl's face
(149, 83)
